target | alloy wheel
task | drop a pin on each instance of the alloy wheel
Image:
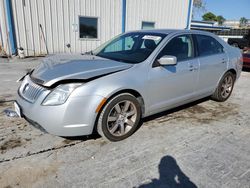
(122, 118)
(227, 86)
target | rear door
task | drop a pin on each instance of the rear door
(213, 62)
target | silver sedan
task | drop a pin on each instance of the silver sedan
(134, 75)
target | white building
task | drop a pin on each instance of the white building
(236, 23)
(61, 26)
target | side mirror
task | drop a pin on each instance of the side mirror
(167, 60)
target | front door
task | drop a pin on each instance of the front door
(171, 84)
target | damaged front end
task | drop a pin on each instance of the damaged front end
(53, 95)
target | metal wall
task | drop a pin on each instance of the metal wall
(165, 13)
(59, 21)
(4, 37)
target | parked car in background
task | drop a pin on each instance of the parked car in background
(246, 60)
(134, 75)
(240, 42)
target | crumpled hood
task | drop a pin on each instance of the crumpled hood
(74, 67)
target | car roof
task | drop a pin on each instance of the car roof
(168, 31)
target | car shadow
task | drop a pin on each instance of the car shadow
(95, 135)
(171, 111)
(170, 176)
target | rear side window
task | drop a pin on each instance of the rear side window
(208, 45)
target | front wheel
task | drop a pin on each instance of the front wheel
(225, 88)
(119, 118)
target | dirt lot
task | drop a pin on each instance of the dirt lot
(203, 144)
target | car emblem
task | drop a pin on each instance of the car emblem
(25, 88)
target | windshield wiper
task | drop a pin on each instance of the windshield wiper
(115, 59)
(119, 60)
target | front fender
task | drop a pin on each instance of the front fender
(132, 79)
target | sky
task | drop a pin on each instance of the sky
(229, 9)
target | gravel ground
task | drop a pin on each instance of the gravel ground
(203, 144)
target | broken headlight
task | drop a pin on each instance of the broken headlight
(60, 94)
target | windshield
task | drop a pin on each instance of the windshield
(130, 47)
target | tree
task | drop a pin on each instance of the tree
(220, 19)
(243, 21)
(209, 17)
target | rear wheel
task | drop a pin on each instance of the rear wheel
(225, 88)
(119, 118)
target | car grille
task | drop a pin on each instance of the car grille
(29, 90)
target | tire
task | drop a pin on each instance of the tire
(119, 118)
(224, 88)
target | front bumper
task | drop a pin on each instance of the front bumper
(76, 117)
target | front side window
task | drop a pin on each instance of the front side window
(181, 47)
(208, 45)
(131, 47)
(88, 27)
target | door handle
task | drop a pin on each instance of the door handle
(223, 61)
(192, 68)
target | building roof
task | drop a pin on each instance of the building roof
(207, 26)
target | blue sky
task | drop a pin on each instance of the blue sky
(229, 9)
